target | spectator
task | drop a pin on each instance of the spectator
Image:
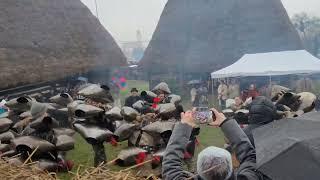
(233, 89)
(265, 90)
(222, 94)
(163, 91)
(193, 94)
(213, 162)
(238, 104)
(244, 95)
(133, 98)
(261, 111)
(253, 92)
(162, 97)
(202, 94)
(304, 85)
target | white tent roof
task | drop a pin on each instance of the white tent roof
(271, 64)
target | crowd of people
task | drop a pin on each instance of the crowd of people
(199, 95)
(155, 124)
(232, 92)
(214, 163)
(232, 89)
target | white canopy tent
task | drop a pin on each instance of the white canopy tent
(271, 64)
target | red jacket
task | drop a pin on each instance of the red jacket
(253, 93)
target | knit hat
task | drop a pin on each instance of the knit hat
(38, 110)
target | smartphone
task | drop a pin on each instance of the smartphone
(203, 115)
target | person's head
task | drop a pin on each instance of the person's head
(134, 92)
(252, 87)
(238, 100)
(214, 164)
(162, 96)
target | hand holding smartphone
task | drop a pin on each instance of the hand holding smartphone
(203, 115)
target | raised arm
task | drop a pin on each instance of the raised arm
(245, 152)
(239, 141)
(172, 161)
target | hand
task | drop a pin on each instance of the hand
(187, 118)
(220, 118)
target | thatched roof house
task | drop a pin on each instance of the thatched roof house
(43, 40)
(204, 35)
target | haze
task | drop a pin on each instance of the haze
(122, 18)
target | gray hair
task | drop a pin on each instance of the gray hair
(214, 163)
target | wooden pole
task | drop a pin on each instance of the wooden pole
(270, 84)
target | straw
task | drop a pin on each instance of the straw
(103, 172)
(34, 151)
(23, 172)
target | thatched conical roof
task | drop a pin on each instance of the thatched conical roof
(206, 35)
(43, 40)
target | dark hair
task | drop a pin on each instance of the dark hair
(134, 90)
(143, 93)
(105, 87)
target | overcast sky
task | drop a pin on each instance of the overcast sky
(122, 18)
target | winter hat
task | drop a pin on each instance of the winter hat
(134, 90)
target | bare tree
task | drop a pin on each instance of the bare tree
(309, 28)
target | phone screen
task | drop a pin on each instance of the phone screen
(203, 116)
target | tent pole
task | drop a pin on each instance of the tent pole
(270, 84)
(212, 86)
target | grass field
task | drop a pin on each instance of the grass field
(83, 153)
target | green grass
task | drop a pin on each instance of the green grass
(140, 85)
(83, 153)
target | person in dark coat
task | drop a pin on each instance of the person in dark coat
(133, 98)
(261, 111)
(213, 162)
